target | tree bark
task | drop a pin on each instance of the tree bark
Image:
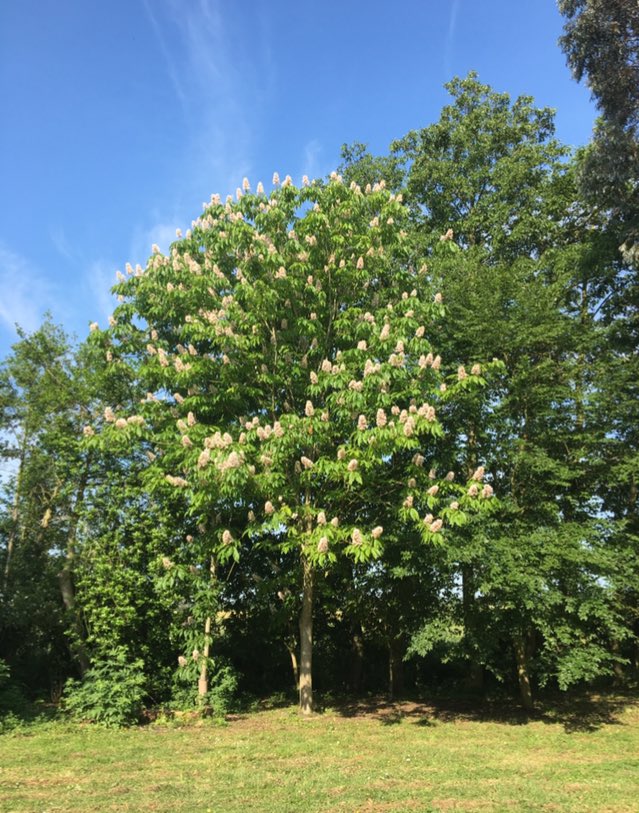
(65, 577)
(523, 673)
(203, 681)
(357, 658)
(306, 640)
(615, 646)
(13, 528)
(475, 679)
(294, 667)
(67, 591)
(395, 669)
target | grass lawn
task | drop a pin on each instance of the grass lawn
(382, 757)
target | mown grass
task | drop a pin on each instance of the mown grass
(402, 757)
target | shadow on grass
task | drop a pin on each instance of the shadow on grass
(583, 713)
(25, 716)
(247, 706)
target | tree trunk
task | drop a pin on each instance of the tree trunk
(523, 674)
(67, 591)
(11, 542)
(14, 526)
(306, 640)
(475, 679)
(203, 681)
(294, 666)
(617, 668)
(395, 669)
(65, 576)
(357, 658)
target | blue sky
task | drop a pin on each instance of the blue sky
(120, 118)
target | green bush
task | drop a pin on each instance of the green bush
(222, 693)
(111, 693)
(218, 701)
(13, 706)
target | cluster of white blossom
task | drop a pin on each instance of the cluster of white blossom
(233, 461)
(371, 367)
(218, 441)
(429, 361)
(178, 482)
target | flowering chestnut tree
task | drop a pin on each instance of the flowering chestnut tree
(293, 386)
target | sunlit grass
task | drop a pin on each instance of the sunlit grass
(383, 758)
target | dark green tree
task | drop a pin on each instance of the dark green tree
(41, 421)
(523, 276)
(601, 43)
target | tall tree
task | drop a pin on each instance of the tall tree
(284, 345)
(485, 169)
(524, 278)
(601, 42)
(41, 420)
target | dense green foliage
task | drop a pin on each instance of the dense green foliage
(601, 43)
(111, 692)
(279, 459)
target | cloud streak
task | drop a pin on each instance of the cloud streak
(218, 85)
(450, 38)
(169, 60)
(26, 293)
(99, 280)
(221, 89)
(311, 160)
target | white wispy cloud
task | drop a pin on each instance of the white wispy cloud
(311, 160)
(220, 86)
(450, 38)
(162, 234)
(169, 60)
(26, 293)
(62, 245)
(99, 279)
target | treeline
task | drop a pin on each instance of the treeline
(380, 430)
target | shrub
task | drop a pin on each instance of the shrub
(219, 699)
(111, 693)
(13, 705)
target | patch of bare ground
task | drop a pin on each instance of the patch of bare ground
(468, 804)
(374, 806)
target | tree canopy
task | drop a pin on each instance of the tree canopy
(375, 430)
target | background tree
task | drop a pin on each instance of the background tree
(40, 421)
(601, 43)
(524, 278)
